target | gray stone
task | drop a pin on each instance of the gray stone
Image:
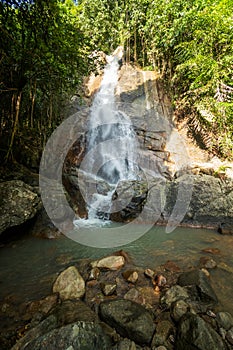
(18, 204)
(178, 309)
(173, 294)
(69, 284)
(71, 311)
(229, 336)
(200, 281)
(130, 319)
(45, 326)
(163, 330)
(79, 335)
(126, 344)
(194, 333)
(224, 320)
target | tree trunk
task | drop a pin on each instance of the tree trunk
(15, 126)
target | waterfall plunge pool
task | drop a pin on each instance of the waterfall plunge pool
(30, 265)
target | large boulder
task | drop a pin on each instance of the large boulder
(130, 319)
(199, 284)
(18, 203)
(194, 333)
(79, 335)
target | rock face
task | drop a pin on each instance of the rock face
(18, 204)
(130, 319)
(140, 96)
(69, 284)
(194, 333)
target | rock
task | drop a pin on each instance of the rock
(19, 203)
(226, 229)
(134, 295)
(130, 319)
(213, 251)
(79, 335)
(171, 266)
(207, 263)
(229, 336)
(110, 263)
(194, 333)
(126, 344)
(178, 309)
(161, 347)
(199, 280)
(45, 326)
(173, 294)
(108, 289)
(71, 311)
(224, 320)
(44, 305)
(69, 284)
(150, 298)
(163, 330)
(149, 273)
(130, 276)
(94, 274)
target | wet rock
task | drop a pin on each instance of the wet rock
(94, 274)
(178, 309)
(45, 326)
(44, 305)
(194, 333)
(130, 276)
(199, 280)
(108, 288)
(171, 266)
(149, 273)
(134, 295)
(70, 311)
(126, 344)
(110, 263)
(161, 347)
(130, 319)
(69, 284)
(229, 336)
(224, 320)
(150, 297)
(19, 203)
(207, 263)
(173, 294)
(79, 335)
(213, 251)
(163, 330)
(226, 229)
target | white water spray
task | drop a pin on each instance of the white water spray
(111, 145)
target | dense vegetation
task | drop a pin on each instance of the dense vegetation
(43, 58)
(45, 45)
(190, 42)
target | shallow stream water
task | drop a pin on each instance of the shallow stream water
(30, 265)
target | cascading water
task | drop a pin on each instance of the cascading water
(111, 145)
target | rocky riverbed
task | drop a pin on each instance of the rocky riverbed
(110, 303)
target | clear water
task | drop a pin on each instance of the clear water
(30, 265)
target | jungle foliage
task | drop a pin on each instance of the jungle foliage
(45, 49)
(189, 42)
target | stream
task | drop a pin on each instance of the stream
(30, 265)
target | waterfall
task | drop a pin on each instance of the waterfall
(111, 145)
